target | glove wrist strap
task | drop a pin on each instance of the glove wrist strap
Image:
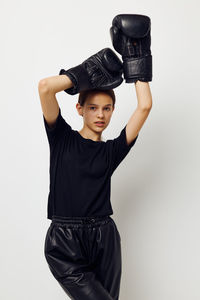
(137, 69)
(79, 77)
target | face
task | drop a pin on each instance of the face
(97, 107)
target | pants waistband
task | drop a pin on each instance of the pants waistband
(80, 220)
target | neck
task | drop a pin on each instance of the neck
(90, 135)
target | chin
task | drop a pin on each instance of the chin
(99, 129)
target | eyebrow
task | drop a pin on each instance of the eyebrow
(97, 104)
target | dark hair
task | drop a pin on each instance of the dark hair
(84, 94)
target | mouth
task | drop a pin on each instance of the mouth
(100, 123)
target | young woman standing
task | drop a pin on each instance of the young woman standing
(83, 245)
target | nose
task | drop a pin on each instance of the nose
(100, 113)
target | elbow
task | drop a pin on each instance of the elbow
(43, 86)
(145, 108)
(149, 107)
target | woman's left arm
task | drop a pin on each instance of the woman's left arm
(142, 111)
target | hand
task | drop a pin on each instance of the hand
(130, 35)
(102, 70)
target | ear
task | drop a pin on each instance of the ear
(79, 109)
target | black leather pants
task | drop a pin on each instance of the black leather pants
(84, 255)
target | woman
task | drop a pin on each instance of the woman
(83, 245)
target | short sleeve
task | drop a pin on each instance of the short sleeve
(119, 149)
(60, 129)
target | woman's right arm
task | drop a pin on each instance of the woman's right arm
(47, 89)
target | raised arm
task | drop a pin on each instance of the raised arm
(47, 89)
(131, 37)
(101, 70)
(142, 111)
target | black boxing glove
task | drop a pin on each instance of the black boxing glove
(102, 70)
(130, 35)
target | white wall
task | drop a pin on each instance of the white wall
(155, 192)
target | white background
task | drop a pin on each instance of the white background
(155, 193)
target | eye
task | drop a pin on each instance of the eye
(107, 108)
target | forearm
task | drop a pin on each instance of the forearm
(144, 96)
(56, 83)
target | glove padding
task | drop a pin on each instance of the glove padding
(130, 35)
(102, 70)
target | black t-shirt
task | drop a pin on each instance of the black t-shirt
(80, 170)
